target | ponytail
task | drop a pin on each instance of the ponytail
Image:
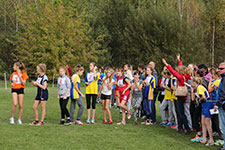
(21, 66)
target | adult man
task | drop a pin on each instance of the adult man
(152, 64)
(221, 102)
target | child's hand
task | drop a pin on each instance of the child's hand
(149, 99)
(58, 97)
(215, 108)
(34, 83)
(12, 84)
(82, 95)
(99, 94)
(87, 83)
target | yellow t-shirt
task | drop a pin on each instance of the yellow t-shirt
(201, 90)
(74, 93)
(92, 79)
(151, 86)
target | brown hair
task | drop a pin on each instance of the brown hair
(79, 68)
(42, 67)
(149, 66)
(65, 69)
(21, 66)
(93, 63)
(111, 76)
(213, 71)
(197, 80)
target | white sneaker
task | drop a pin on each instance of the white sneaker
(92, 121)
(88, 121)
(19, 121)
(12, 120)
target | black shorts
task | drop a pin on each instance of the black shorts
(18, 91)
(105, 97)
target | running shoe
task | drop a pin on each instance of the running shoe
(128, 116)
(168, 124)
(219, 142)
(110, 122)
(162, 124)
(209, 143)
(12, 120)
(174, 126)
(121, 123)
(61, 122)
(92, 121)
(19, 122)
(105, 122)
(148, 123)
(203, 141)
(41, 123)
(117, 108)
(143, 117)
(68, 122)
(34, 123)
(196, 139)
(88, 121)
(79, 123)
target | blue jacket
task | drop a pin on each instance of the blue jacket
(221, 91)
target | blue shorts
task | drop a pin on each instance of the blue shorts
(206, 106)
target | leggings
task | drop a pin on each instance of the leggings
(197, 117)
(88, 99)
(64, 110)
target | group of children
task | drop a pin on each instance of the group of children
(187, 96)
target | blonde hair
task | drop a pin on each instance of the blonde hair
(65, 69)
(42, 67)
(182, 69)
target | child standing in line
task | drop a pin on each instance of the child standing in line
(149, 85)
(76, 96)
(105, 93)
(42, 94)
(91, 92)
(124, 92)
(167, 102)
(18, 78)
(63, 95)
(136, 87)
(102, 75)
(204, 98)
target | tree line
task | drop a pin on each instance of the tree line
(110, 32)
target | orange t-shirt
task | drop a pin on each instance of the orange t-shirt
(16, 80)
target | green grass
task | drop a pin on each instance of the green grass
(97, 136)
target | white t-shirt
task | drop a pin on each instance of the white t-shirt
(105, 88)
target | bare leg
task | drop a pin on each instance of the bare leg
(14, 104)
(43, 110)
(123, 105)
(107, 109)
(209, 127)
(21, 98)
(35, 107)
(103, 108)
(93, 113)
(203, 127)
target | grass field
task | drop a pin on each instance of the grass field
(96, 137)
